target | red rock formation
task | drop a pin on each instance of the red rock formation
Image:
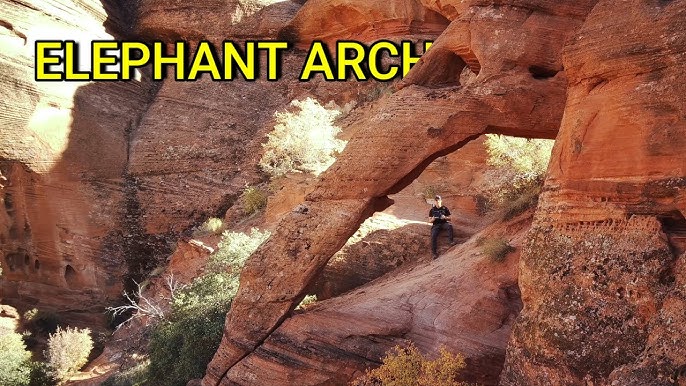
(602, 277)
(399, 234)
(394, 141)
(64, 152)
(211, 19)
(463, 301)
(362, 20)
(100, 174)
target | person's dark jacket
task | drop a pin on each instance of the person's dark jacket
(436, 213)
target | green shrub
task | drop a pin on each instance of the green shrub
(181, 347)
(443, 370)
(134, 376)
(41, 374)
(183, 344)
(518, 171)
(68, 351)
(526, 197)
(234, 249)
(303, 140)
(16, 366)
(496, 249)
(254, 199)
(14, 360)
(408, 367)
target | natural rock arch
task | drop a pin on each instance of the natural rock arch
(391, 146)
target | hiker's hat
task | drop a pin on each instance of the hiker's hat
(438, 197)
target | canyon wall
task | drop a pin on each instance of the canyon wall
(103, 177)
(64, 155)
(603, 273)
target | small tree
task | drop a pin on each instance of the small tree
(68, 351)
(183, 343)
(518, 167)
(303, 140)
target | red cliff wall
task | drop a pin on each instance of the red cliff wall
(603, 275)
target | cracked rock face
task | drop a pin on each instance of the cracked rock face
(602, 277)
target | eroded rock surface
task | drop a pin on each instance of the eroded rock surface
(602, 276)
(100, 175)
(462, 301)
(395, 140)
(64, 153)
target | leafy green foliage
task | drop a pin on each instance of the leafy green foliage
(518, 170)
(303, 140)
(14, 360)
(135, 376)
(496, 249)
(254, 199)
(406, 366)
(182, 345)
(68, 351)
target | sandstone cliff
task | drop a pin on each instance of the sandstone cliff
(64, 155)
(519, 89)
(603, 272)
(103, 178)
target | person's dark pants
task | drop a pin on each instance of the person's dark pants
(435, 231)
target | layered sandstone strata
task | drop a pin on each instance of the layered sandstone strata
(602, 277)
(64, 153)
(519, 90)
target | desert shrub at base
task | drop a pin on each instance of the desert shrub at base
(134, 376)
(496, 249)
(68, 350)
(522, 199)
(14, 360)
(16, 366)
(406, 366)
(254, 199)
(182, 345)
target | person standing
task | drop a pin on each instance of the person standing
(439, 216)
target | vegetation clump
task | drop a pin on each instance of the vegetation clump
(183, 343)
(496, 249)
(212, 225)
(14, 361)
(253, 199)
(68, 350)
(406, 366)
(134, 376)
(303, 140)
(518, 171)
